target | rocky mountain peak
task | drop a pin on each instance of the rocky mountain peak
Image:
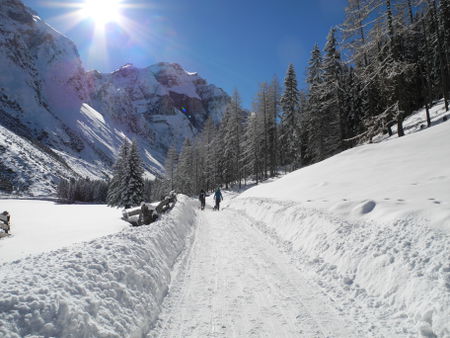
(83, 117)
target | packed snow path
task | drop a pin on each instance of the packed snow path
(233, 282)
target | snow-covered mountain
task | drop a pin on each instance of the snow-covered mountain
(79, 119)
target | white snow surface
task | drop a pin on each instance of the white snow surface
(109, 287)
(373, 224)
(355, 246)
(42, 226)
(233, 282)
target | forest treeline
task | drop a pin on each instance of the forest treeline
(126, 188)
(388, 59)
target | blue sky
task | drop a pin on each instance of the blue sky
(231, 43)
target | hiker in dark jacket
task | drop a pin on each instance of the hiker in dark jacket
(218, 198)
(202, 198)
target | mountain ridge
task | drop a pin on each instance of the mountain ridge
(80, 118)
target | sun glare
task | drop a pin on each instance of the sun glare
(98, 14)
(102, 11)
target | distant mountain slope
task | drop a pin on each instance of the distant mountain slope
(47, 97)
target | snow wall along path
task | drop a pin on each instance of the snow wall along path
(399, 272)
(109, 287)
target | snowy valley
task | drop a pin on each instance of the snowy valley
(354, 246)
(147, 202)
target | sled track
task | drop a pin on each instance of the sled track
(231, 281)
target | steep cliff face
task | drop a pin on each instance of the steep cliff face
(162, 101)
(81, 118)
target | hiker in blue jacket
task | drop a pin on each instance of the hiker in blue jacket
(217, 197)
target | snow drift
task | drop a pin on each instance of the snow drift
(110, 287)
(374, 224)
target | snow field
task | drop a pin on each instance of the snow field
(42, 226)
(374, 224)
(109, 287)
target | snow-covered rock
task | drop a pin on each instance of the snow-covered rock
(109, 287)
(48, 98)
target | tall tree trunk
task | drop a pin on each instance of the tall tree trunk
(441, 53)
(427, 109)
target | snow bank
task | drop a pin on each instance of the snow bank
(374, 224)
(109, 287)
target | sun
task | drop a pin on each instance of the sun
(102, 11)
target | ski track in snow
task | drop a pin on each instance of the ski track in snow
(233, 282)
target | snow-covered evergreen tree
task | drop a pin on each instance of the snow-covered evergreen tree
(272, 125)
(262, 110)
(314, 115)
(132, 181)
(332, 98)
(115, 185)
(290, 134)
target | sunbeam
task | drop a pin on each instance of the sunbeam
(102, 11)
(99, 14)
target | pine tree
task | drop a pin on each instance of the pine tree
(272, 128)
(439, 51)
(314, 115)
(132, 182)
(290, 135)
(115, 185)
(332, 100)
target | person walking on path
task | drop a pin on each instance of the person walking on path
(218, 198)
(202, 198)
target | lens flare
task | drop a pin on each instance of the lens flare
(104, 18)
(102, 11)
